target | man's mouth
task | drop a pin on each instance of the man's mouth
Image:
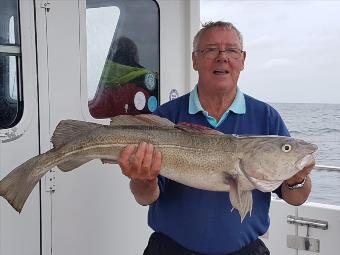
(220, 71)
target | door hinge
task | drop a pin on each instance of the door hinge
(50, 181)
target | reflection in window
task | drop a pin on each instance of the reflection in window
(105, 20)
(122, 57)
(11, 105)
(13, 91)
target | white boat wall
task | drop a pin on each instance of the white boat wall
(311, 228)
(91, 210)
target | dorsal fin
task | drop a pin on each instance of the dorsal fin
(190, 127)
(66, 130)
(141, 119)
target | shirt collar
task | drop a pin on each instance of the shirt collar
(238, 106)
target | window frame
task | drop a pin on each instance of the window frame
(14, 50)
(27, 92)
(83, 58)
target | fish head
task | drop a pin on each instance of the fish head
(269, 160)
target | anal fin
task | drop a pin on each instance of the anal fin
(75, 163)
(72, 164)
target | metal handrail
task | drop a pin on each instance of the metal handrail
(327, 168)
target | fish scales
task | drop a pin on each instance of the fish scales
(201, 160)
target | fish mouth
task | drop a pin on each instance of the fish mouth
(305, 161)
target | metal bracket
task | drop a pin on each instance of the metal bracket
(46, 5)
(307, 222)
(50, 181)
(303, 243)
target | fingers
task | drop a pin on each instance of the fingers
(124, 156)
(147, 167)
(142, 154)
(142, 162)
(300, 176)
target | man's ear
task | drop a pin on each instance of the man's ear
(194, 62)
(244, 58)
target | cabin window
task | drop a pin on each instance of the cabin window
(122, 57)
(11, 102)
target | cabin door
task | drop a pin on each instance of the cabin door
(91, 210)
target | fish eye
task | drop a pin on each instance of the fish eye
(286, 148)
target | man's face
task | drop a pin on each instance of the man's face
(221, 72)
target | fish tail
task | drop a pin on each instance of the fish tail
(19, 183)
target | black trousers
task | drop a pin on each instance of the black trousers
(160, 244)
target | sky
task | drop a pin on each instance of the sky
(293, 47)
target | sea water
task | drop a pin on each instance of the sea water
(319, 124)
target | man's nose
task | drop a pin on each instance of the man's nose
(222, 56)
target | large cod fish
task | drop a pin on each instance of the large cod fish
(192, 155)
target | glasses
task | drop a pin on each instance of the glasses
(212, 53)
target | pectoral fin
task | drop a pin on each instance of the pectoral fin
(73, 164)
(264, 185)
(260, 184)
(240, 199)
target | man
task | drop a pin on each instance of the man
(191, 221)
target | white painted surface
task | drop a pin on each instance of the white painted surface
(275, 238)
(19, 234)
(176, 30)
(279, 228)
(92, 210)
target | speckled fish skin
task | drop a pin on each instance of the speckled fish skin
(204, 160)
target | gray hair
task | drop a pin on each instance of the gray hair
(218, 24)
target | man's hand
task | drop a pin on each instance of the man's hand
(142, 165)
(298, 196)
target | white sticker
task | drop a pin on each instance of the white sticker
(173, 94)
(139, 100)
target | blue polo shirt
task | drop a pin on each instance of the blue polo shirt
(203, 221)
(238, 106)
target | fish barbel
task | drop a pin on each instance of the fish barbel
(195, 156)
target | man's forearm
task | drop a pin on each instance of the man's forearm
(145, 192)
